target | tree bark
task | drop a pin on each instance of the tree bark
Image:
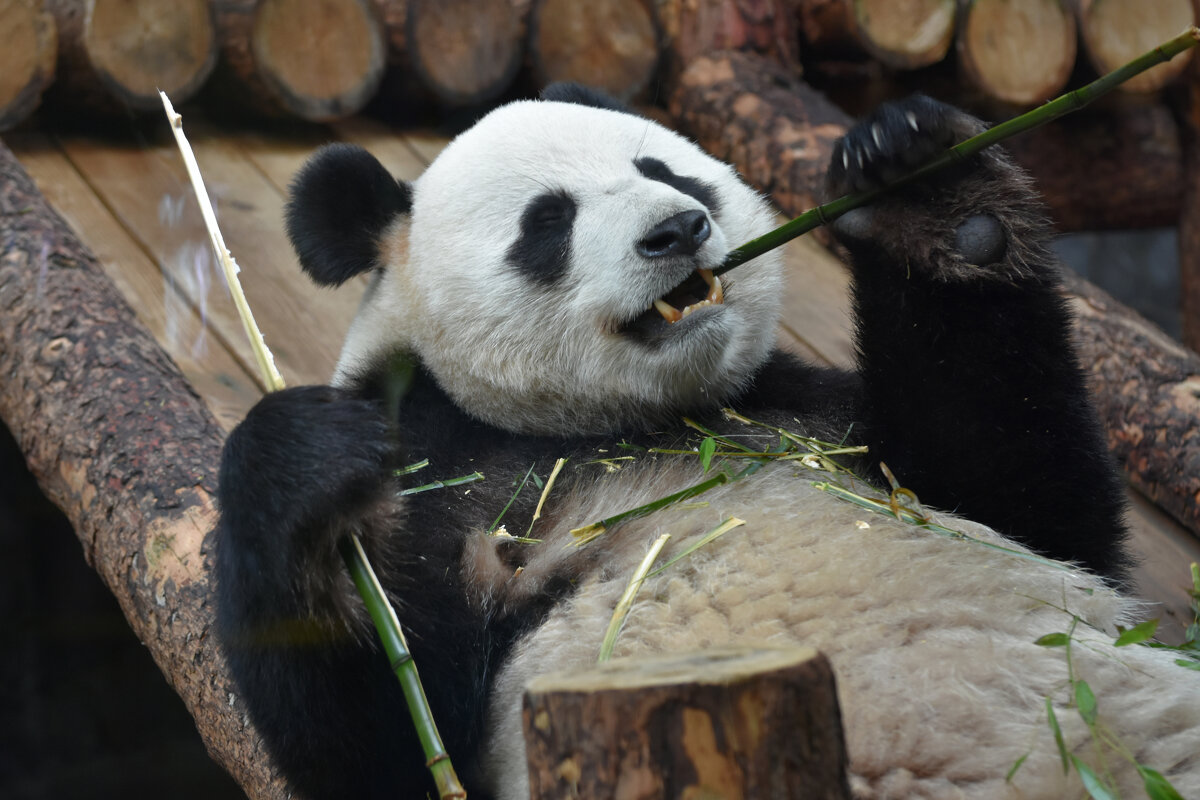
(694, 28)
(613, 45)
(779, 136)
(1115, 32)
(1107, 168)
(467, 52)
(723, 723)
(114, 56)
(319, 60)
(1017, 51)
(118, 440)
(27, 61)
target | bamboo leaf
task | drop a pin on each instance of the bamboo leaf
(1058, 737)
(1137, 634)
(1085, 700)
(474, 476)
(621, 612)
(1091, 781)
(1188, 663)
(707, 448)
(1016, 766)
(1053, 640)
(1157, 787)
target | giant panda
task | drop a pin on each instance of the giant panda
(542, 291)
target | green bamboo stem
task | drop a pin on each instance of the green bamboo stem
(401, 660)
(1071, 101)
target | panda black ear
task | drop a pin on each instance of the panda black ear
(577, 93)
(340, 203)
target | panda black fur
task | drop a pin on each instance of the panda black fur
(509, 323)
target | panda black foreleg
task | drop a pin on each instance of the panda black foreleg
(307, 466)
(973, 394)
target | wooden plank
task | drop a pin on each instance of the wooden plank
(1166, 549)
(303, 324)
(816, 302)
(404, 155)
(159, 302)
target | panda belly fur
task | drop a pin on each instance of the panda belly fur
(941, 686)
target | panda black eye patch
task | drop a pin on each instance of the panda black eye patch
(656, 170)
(542, 251)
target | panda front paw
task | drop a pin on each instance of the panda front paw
(978, 213)
(302, 457)
(892, 141)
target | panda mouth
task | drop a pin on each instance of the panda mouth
(701, 290)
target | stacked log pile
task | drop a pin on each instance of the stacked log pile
(324, 59)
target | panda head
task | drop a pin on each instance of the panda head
(530, 267)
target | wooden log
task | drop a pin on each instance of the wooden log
(1017, 51)
(27, 61)
(466, 52)
(1107, 168)
(779, 135)
(1117, 31)
(905, 35)
(1147, 390)
(612, 45)
(115, 55)
(315, 59)
(118, 440)
(729, 723)
(693, 28)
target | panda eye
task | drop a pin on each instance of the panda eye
(549, 210)
(542, 250)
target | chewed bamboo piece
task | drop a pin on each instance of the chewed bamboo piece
(381, 611)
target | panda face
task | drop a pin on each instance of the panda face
(545, 251)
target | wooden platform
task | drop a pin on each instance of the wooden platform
(130, 200)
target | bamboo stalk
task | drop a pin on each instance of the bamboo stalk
(381, 611)
(1060, 106)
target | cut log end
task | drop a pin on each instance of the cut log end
(905, 34)
(137, 48)
(1117, 31)
(322, 59)
(466, 52)
(27, 60)
(722, 723)
(1018, 51)
(613, 45)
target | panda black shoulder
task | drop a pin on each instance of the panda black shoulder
(339, 206)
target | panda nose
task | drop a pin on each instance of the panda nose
(679, 235)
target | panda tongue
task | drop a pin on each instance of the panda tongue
(716, 296)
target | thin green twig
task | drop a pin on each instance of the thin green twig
(1071, 101)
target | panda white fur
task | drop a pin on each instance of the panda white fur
(511, 321)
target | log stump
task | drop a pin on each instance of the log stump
(695, 28)
(1017, 51)
(466, 52)
(319, 60)
(613, 45)
(905, 35)
(115, 55)
(1117, 31)
(728, 723)
(27, 61)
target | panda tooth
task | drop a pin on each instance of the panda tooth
(669, 312)
(716, 294)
